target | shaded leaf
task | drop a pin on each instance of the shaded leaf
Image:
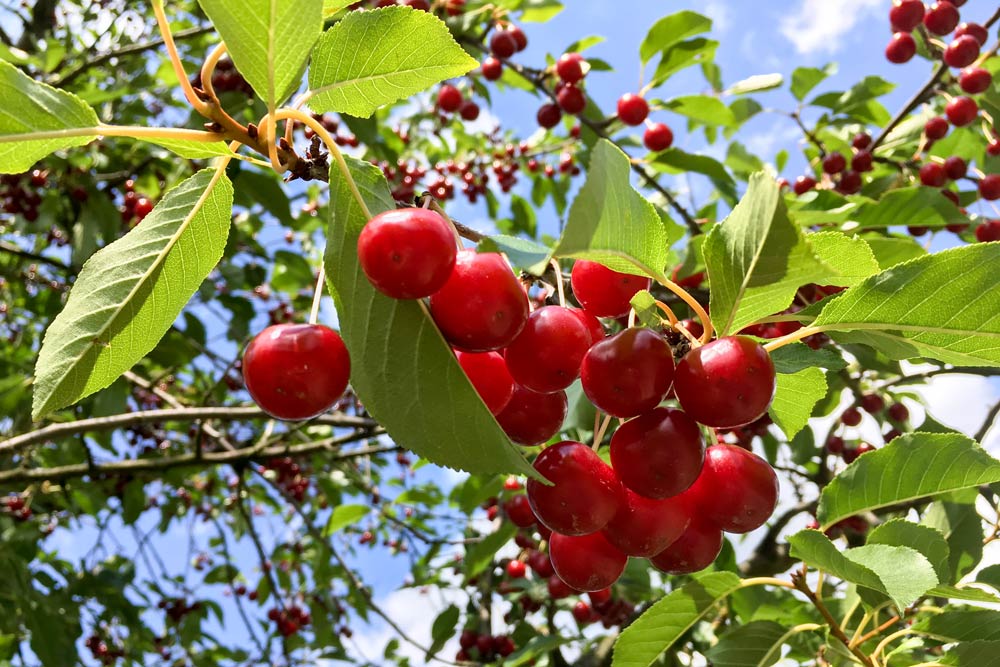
(795, 397)
(343, 516)
(961, 625)
(962, 528)
(928, 541)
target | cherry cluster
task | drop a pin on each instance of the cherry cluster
(178, 608)
(289, 620)
(101, 652)
(225, 79)
(940, 19)
(477, 647)
(16, 507)
(288, 477)
(135, 207)
(20, 193)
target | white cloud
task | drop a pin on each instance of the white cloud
(719, 13)
(819, 25)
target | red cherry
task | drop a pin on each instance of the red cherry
(559, 589)
(540, 564)
(862, 140)
(296, 371)
(482, 306)
(989, 187)
(531, 418)
(933, 175)
(835, 444)
(737, 490)
(549, 116)
(469, 110)
(961, 111)
(582, 613)
(872, 403)
(584, 496)
(571, 99)
(586, 562)
(993, 148)
(449, 98)
(644, 527)
(488, 373)
(407, 253)
(569, 67)
(143, 207)
(546, 355)
(955, 167)
(906, 15)
(420, 5)
(592, 323)
(519, 37)
(727, 383)
(936, 128)
(941, 18)
(492, 69)
(503, 44)
(974, 30)
(658, 454)
(658, 137)
(603, 292)
(985, 232)
(901, 48)
(803, 184)
(962, 52)
(503, 646)
(975, 80)
(632, 109)
(850, 182)
(628, 373)
(516, 569)
(850, 417)
(834, 163)
(693, 551)
(862, 161)
(484, 644)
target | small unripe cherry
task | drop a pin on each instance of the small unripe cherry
(989, 187)
(530, 418)
(697, 548)
(629, 373)
(905, 15)
(961, 111)
(449, 98)
(901, 48)
(632, 109)
(407, 253)
(941, 18)
(569, 67)
(602, 291)
(834, 163)
(975, 80)
(492, 69)
(549, 115)
(962, 52)
(936, 128)
(658, 137)
(933, 175)
(586, 562)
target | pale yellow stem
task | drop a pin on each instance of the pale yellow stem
(175, 59)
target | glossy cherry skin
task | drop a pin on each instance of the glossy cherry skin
(585, 493)
(962, 52)
(628, 373)
(933, 175)
(658, 454)
(644, 527)
(737, 490)
(975, 30)
(834, 163)
(488, 373)
(989, 187)
(592, 323)
(482, 306)
(569, 67)
(693, 551)
(571, 99)
(803, 184)
(658, 137)
(546, 355)
(901, 48)
(503, 44)
(975, 80)
(492, 69)
(936, 128)
(296, 371)
(603, 292)
(518, 510)
(906, 15)
(941, 18)
(449, 98)
(530, 418)
(587, 562)
(961, 111)
(727, 383)
(955, 167)
(632, 109)
(407, 253)
(549, 116)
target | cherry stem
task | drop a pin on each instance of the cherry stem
(317, 294)
(671, 316)
(175, 59)
(793, 337)
(706, 322)
(559, 282)
(208, 68)
(631, 318)
(434, 206)
(599, 431)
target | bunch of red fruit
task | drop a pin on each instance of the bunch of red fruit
(20, 193)
(483, 647)
(101, 652)
(288, 476)
(289, 620)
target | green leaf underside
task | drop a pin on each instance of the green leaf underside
(912, 466)
(611, 223)
(670, 30)
(344, 516)
(794, 357)
(973, 654)
(194, 150)
(268, 40)
(944, 306)
(967, 593)
(331, 7)
(404, 371)
(795, 397)
(30, 107)
(524, 254)
(928, 541)
(902, 573)
(665, 622)
(961, 625)
(129, 293)
(756, 83)
(962, 529)
(756, 644)
(372, 58)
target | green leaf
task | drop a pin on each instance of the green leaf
(928, 541)
(893, 250)
(961, 625)
(942, 306)
(899, 572)
(443, 629)
(610, 222)
(756, 84)
(683, 55)
(130, 292)
(372, 58)
(344, 516)
(918, 206)
(804, 79)
(481, 554)
(522, 253)
(670, 30)
(756, 644)
(798, 356)
(850, 258)
(193, 150)
(676, 161)
(757, 259)
(401, 365)
(990, 576)
(331, 7)
(646, 311)
(268, 40)
(795, 397)
(641, 643)
(38, 120)
(910, 467)
(967, 593)
(702, 109)
(963, 530)
(973, 654)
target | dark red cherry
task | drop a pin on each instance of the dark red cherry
(727, 383)
(449, 98)
(974, 30)
(503, 44)
(962, 52)
(803, 184)
(901, 48)
(961, 111)
(296, 371)
(407, 253)
(531, 418)
(592, 323)
(936, 128)
(603, 292)
(862, 161)
(632, 109)
(546, 355)
(469, 111)
(737, 490)
(644, 527)
(488, 373)
(549, 115)
(941, 18)
(518, 510)
(143, 207)
(569, 67)
(482, 306)
(955, 167)
(872, 403)
(658, 454)
(559, 589)
(540, 564)
(933, 175)
(519, 37)
(693, 551)
(987, 231)
(571, 99)
(975, 80)
(906, 15)
(492, 69)
(628, 373)
(658, 137)
(989, 187)
(850, 182)
(834, 163)
(851, 416)
(862, 140)
(585, 493)
(587, 562)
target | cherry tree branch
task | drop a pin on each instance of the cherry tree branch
(988, 423)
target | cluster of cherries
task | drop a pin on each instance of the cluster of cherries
(225, 79)
(940, 19)
(289, 620)
(477, 647)
(135, 207)
(288, 477)
(15, 507)
(20, 193)
(100, 651)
